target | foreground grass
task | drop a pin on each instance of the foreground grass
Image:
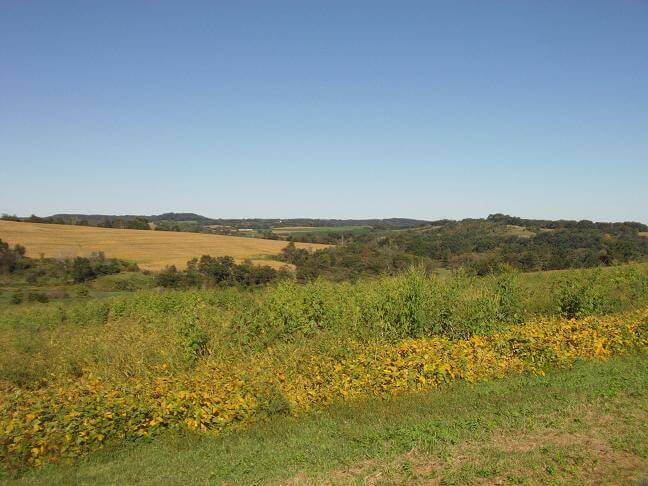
(575, 426)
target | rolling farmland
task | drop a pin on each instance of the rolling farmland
(152, 250)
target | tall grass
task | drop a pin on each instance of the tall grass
(416, 304)
(131, 334)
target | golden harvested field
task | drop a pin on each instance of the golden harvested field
(152, 250)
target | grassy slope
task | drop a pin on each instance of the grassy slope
(151, 249)
(572, 426)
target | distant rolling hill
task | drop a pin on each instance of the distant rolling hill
(256, 223)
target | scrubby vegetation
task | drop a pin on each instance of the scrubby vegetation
(572, 426)
(80, 269)
(71, 416)
(41, 279)
(222, 344)
(11, 259)
(208, 271)
(348, 262)
(481, 245)
(79, 375)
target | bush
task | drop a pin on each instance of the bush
(577, 299)
(511, 299)
(413, 304)
(169, 277)
(194, 339)
(11, 259)
(208, 271)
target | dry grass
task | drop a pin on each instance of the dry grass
(643, 233)
(520, 231)
(152, 250)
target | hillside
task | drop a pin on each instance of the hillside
(152, 250)
(249, 223)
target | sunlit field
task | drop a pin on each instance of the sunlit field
(151, 250)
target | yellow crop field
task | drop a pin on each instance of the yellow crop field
(152, 250)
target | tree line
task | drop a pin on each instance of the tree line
(209, 271)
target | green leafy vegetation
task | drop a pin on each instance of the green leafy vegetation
(370, 247)
(481, 246)
(572, 426)
(95, 356)
(24, 279)
(348, 262)
(11, 259)
(208, 271)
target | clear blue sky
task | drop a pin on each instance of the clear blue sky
(325, 109)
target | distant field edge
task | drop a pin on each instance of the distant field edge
(576, 426)
(287, 230)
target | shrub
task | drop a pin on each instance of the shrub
(578, 298)
(510, 297)
(413, 304)
(169, 277)
(81, 270)
(194, 339)
(11, 259)
(124, 281)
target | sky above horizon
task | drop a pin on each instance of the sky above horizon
(330, 109)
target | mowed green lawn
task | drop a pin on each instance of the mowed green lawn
(580, 426)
